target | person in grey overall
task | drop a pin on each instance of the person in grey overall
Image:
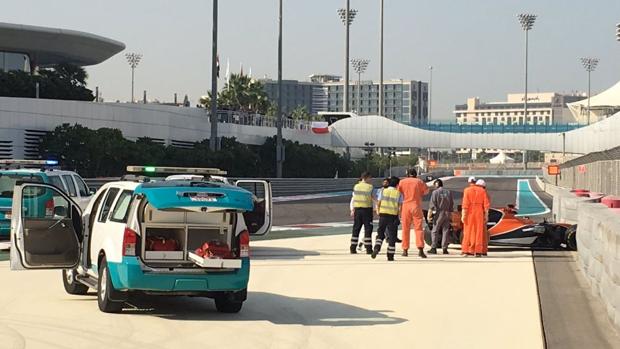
(440, 207)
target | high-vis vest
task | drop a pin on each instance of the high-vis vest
(362, 195)
(389, 201)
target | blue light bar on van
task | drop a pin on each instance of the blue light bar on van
(20, 162)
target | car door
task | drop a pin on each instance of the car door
(259, 220)
(84, 193)
(44, 237)
(99, 228)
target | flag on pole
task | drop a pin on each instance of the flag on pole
(227, 70)
(217, 65)
(241, 70)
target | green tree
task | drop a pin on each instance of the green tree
(62, 81)
(300, 113)
(241, 93)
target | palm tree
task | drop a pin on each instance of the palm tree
(244, 94)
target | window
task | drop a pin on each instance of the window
(56, 181)
(70, 185)
(7, 183)
(109, 199)
(119, 214)
(82, 187)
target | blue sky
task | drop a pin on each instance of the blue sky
(475, 46)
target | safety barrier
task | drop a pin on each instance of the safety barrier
(293, 186)
(598, 240)
(503, 172)
(599, 176)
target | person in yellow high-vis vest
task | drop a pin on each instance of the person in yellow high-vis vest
(361, 211)
(389, 204)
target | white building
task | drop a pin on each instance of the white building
(543, 109)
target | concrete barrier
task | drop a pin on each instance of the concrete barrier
(598, 242)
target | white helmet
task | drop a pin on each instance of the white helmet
(481, 183)
(471, 179)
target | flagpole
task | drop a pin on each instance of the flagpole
(279, 143)
(213, 139)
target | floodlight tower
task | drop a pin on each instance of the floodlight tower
(359, 65)
(589, 64)
(527, 23)
(346, 16)
(133, 59)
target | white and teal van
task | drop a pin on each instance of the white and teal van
(109, 246)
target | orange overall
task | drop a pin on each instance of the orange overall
(466, 241)
(413, 189)
(475, 205)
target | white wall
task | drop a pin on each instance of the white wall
(134, 120)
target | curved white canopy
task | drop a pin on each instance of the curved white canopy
(603, 104)
(357, 132)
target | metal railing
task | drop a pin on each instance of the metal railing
(250, 119)
(289, 186)
(456, 128)
(605, 155)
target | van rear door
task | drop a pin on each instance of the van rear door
(259, 220)
(46, 228)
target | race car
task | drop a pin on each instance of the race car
(506, 228)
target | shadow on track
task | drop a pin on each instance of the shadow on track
(263, 306)
(271, 253)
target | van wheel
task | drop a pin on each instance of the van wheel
(104, 290)
(72, 286)
(224, 304)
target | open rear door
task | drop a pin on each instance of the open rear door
(46, 228)
(259, 220)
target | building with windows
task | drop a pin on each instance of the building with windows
(405, 101)
(296, 93)
(543, 109)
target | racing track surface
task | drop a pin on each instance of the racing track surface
(502, 191)
(310, 293)
(303, 293)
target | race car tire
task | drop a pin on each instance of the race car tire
(571, 238)
(225, 305)
(72, 286)
(105, 290)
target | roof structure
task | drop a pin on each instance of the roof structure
(501, 159)
(48, 46)
(605, 103)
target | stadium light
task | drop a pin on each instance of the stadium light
(133, 59)
(346, 16)
(589, 64)
(527, 23)
(359, 65)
